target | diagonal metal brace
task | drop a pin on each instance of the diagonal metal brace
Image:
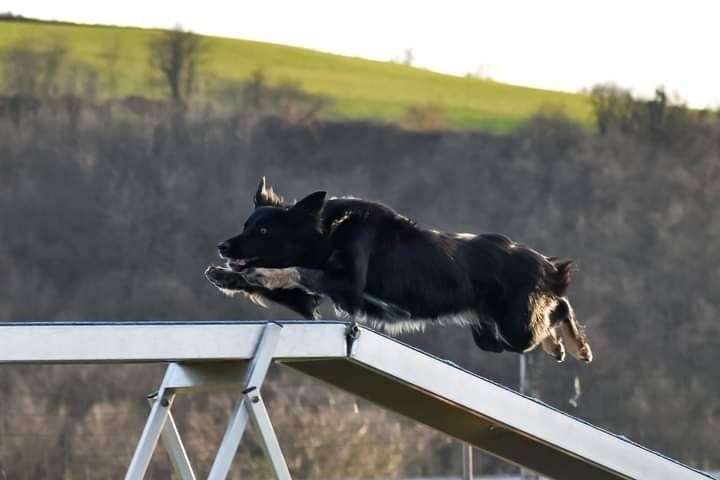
(174, 446)
(252, 407)
(159, 413)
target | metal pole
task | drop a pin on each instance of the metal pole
(467, 461)
(150, 435)
(230, 442)
(522, 388)
(261, 420)
(175, 448)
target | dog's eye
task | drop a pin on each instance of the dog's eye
(263, 230)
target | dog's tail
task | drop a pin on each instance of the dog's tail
(563, 274)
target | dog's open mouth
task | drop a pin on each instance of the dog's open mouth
(238, 264)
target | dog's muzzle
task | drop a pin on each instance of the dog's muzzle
(238, 264)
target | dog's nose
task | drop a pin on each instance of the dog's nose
(223, 247)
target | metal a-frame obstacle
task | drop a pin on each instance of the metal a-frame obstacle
(236, 356)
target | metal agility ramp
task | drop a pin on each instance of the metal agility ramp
(236, 356)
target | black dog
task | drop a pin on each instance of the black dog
(379, 266)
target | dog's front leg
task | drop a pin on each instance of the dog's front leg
(347, 279)
(317, 282)
(296, 299)
(311, 280)
(272, 278)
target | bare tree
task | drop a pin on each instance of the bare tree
(110, 57)
(29, 70)
(177, 54)
(408, 57)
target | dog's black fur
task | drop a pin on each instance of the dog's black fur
(374, 263)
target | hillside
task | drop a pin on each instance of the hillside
(359, 88)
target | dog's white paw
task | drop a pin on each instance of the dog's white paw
(225, 279)
(217, 275)
(586, 354)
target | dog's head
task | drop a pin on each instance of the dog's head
(275, 235)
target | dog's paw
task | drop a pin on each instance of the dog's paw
(554, 346)
(215, 274)
(586, 354)
(272, 278)
(224, 278)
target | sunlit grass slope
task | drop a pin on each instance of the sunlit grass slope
(359, 88)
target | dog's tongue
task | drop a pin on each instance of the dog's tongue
(239, 263)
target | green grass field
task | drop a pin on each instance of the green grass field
(359, 88)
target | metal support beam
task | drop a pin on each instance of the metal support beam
(151, 433)
(270, 444)
(175, 448)
(467, 462)
(252, 406)
(181, 378)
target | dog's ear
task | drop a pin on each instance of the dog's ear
(266, 197)
(310, 205)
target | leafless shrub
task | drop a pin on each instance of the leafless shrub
(143, 106)
(176, 54)
(99, 451)
(426, 117)
(17, 106)
(32, 69)
(257, 98)
(550, 132)
(110, 57)
(39, 74)
(660, 119)
(294, 105)
(30, 434)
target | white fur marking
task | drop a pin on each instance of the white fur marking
(396, 327)
(540, 308)
(256, 299)
(465, 236)
(336, 223)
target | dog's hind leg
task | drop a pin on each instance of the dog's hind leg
(553, 345)
(563, 318)
(518, 325)
(486, 337)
